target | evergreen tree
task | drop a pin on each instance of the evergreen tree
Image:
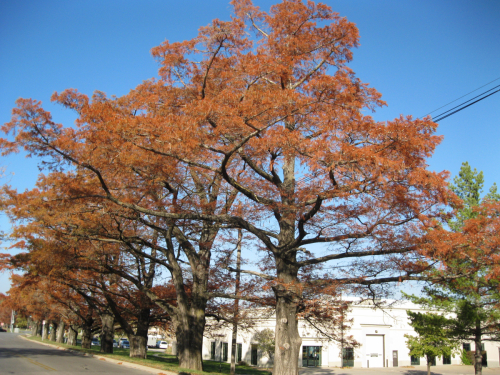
(464, 287)
(468, 186)
(432, 340)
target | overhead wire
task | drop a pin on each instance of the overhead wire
(458, 110)
(453, 101)
(477, 96)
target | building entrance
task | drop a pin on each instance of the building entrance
(311, 356)
(374, 350)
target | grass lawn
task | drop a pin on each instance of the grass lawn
(162, 361)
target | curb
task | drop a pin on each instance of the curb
(110, 360)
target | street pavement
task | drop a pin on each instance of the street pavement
(19, 356)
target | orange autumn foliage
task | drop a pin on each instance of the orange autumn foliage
(257, 123)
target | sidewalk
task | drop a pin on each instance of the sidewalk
(413, 370)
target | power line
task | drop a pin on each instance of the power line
(467, 101)
(453, 101)
(458, 110)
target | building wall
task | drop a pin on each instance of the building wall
(380, 333)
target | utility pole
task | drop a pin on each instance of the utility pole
(12, 320)
(234, 347)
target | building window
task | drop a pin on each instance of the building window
(253, 358)
(238, 352)
(484, 358)
(446, 359)
(466, 347)
(415, 361)
(348, 357)
(212, 350)
(224, 351)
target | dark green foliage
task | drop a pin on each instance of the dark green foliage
(463, 289)
(465, 357)
(432, 337)
(468, 186)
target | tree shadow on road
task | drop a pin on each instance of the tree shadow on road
(26, 352)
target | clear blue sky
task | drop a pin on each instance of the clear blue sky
(419, 54)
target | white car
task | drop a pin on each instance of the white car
(163, 345)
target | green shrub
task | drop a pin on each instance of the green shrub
(466, 358)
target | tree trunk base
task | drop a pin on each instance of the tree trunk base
(138, 346)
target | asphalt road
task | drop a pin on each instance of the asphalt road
(23, 357)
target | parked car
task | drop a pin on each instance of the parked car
(115, 344)
(163, 345)
(121, 340)
(125, 344)
(95, 342)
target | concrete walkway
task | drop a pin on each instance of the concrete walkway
(410, 370)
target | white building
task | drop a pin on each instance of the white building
(379, 331)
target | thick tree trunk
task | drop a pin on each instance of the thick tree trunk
(35, 329)
(478, 355)
(139, 340)
(189, 336)
(288, 341)
(72, 334)
(428, 365)
(45, 331)
(107, 332)
(60, 332)
(86, 336)
(287, 290)
(189, 314)
(138, 346)
(53, 326)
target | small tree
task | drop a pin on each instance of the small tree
(265, 342)
(432, 339)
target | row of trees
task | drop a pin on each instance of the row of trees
(256, 126)
(88, 301)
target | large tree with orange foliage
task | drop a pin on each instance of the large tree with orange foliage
(260, 112)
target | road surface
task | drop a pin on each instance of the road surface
(22, 357)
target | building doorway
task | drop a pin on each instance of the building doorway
(311, 356)
(348, 357)
(374, 350)
(253, 355)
